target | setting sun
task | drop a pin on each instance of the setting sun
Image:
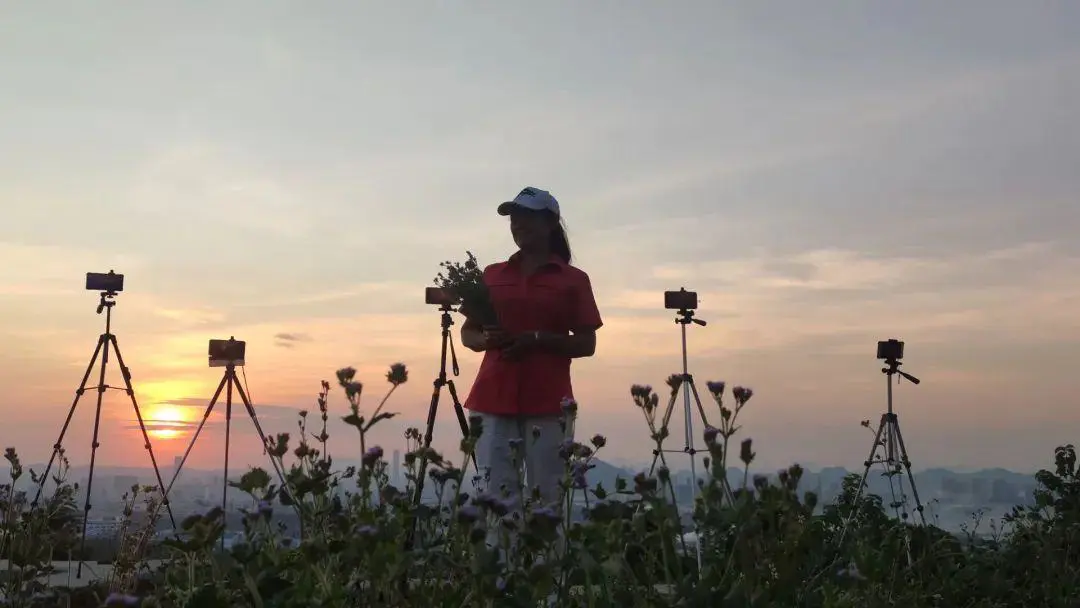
(165, 421)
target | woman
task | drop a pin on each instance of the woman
(548, 316)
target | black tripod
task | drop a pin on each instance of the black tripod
(440, 381)
(684, 317)
(229, 381)
(105, 340)
(888, 435)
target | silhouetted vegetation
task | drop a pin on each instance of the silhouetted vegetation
(764, 542)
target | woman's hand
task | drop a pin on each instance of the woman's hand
(495, 338)
(521, 344)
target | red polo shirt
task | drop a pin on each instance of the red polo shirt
(557, 298)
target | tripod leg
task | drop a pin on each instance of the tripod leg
(463, 422)
(93, 450)
(697, 400)
(658, 453)
(195, 435)
(142, 426)
(429, 429)
(265, 442)
(866, 471)
(67, 421)
(231, 376)
(687, 389)
(907, 466)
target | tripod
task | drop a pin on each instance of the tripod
(440, 381)
(888, 435)
(228, 382)
(684, 317)
(105, 340)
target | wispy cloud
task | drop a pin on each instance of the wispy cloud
(289, 340)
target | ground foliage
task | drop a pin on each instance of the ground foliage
(764, 541)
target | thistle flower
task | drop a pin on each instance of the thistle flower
(569, 406)
(121, 599)
(345, 375)
(578, 468)
(675, 381)
(745, 453)
(485, 500)
(545, 515)
(353, 390)
(645, 398)
(741, 394)
(468, 514)
(397, 374)
(598, 441)
(710, 434)
(760, 482)
(566, 449)
(716, 387)
(372, 456)
(504, 506)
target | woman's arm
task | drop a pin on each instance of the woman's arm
(585, 320)
(472, 336)
(574, 345)
(476, 338)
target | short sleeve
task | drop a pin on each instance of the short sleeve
(586, 314)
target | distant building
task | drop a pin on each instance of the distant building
(105, 527)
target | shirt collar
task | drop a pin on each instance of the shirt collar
(553, 260)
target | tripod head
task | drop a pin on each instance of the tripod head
(892, 368)
(109, 284)
(447, 318)
(685, 316)
(107, 301)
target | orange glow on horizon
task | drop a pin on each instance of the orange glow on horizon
(166, 421)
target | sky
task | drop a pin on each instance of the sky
(825, 177)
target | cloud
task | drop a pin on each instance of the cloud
(289, 340)
(841, 298)
(52, 270)
(208, 181)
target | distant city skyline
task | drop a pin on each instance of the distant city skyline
(825, 177)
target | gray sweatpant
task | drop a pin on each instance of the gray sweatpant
(540, 438)
(543, 468)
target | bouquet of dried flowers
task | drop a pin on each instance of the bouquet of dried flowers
(466, 281)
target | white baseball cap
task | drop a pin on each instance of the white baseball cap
(531, 198)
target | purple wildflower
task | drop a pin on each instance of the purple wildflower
(569, 406)
(577, 475)
(710, 435)
(716, 388)
(566, 450)
(546, 515)
(121, 599)
(468, 514)
(504, 506)
(373, 455)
